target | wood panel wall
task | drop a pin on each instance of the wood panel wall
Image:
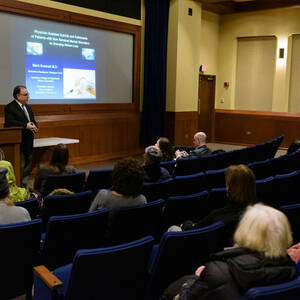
(254, 127)
(102, 136)
(181, 127)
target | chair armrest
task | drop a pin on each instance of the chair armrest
(48, 277)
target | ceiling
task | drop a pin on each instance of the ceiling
(235, 6)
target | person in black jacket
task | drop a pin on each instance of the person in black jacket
(241, 191)
(19, 113)
(201, 149)
(263, 236)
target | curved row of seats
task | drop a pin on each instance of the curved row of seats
(141, 269)
(101, 179)
(278, 190)
(191, 165)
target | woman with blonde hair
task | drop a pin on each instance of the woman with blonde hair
(263, 237)
(9, 213)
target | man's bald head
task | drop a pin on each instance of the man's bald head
(199, 139)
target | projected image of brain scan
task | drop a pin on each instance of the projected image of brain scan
(79, 83)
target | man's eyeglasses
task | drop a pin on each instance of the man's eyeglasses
(25, 95)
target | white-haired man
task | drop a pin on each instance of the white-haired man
(200, 144)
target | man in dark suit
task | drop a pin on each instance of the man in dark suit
(200, 144)
(19, 113)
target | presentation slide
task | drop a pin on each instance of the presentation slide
(59, 65)
(64, 63)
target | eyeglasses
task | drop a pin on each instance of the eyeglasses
(25, 95)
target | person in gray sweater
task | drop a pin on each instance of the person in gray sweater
(127, 183)
(8, 212)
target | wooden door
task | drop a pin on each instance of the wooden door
(206, 105)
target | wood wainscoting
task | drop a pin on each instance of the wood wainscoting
(254, 127)
(181, 127)
(102, 136)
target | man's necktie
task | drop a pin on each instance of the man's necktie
(26, 112)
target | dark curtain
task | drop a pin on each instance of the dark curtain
(155, 64)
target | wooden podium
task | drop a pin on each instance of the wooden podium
(10, 140)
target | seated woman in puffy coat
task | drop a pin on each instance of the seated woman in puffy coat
(263, 237)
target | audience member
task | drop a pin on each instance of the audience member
(8, 212)
(294, 146)
(263, 236)
(127, 183)
(153, 171)
(58, 165)
(200, 144)
(15, 193)
(166, 149)
(241, 191)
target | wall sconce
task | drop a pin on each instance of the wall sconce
(281, 53)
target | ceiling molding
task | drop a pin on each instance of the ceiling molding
(235, 6)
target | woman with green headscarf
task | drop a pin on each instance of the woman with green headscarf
(16, 193)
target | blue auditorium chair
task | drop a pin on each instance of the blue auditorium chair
(216, 161)
(292, 212)
(98, 179)
(187, 166)
(133, 222)
(157, 190)
(118, 272)
(179, 254)
(188, 207)
(20, 243)
(286, 188)
(286, 163)
(32, 206)
(261, 169)
(215, 179)
(169, 165)
(283, 291)
(67, 234)
(73, 182)
(265, 191)
(60, 205)
(217, 198)
(189, 184)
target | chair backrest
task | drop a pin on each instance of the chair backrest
(157, 190)
(187, 166)
(118, 272)
(286, 163)
(189, 184)
(215, 179)
(19, 250)
(292, 212)
(32, 206)
(283, 291)
(169, 165)
(215, 161)
(60, 205)
(179, 254)
(261, 169)
(99, 179)
(286, 188)
(73, 182)
(181, 208)
(264, 191)
(133, 222)
(67, 234)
